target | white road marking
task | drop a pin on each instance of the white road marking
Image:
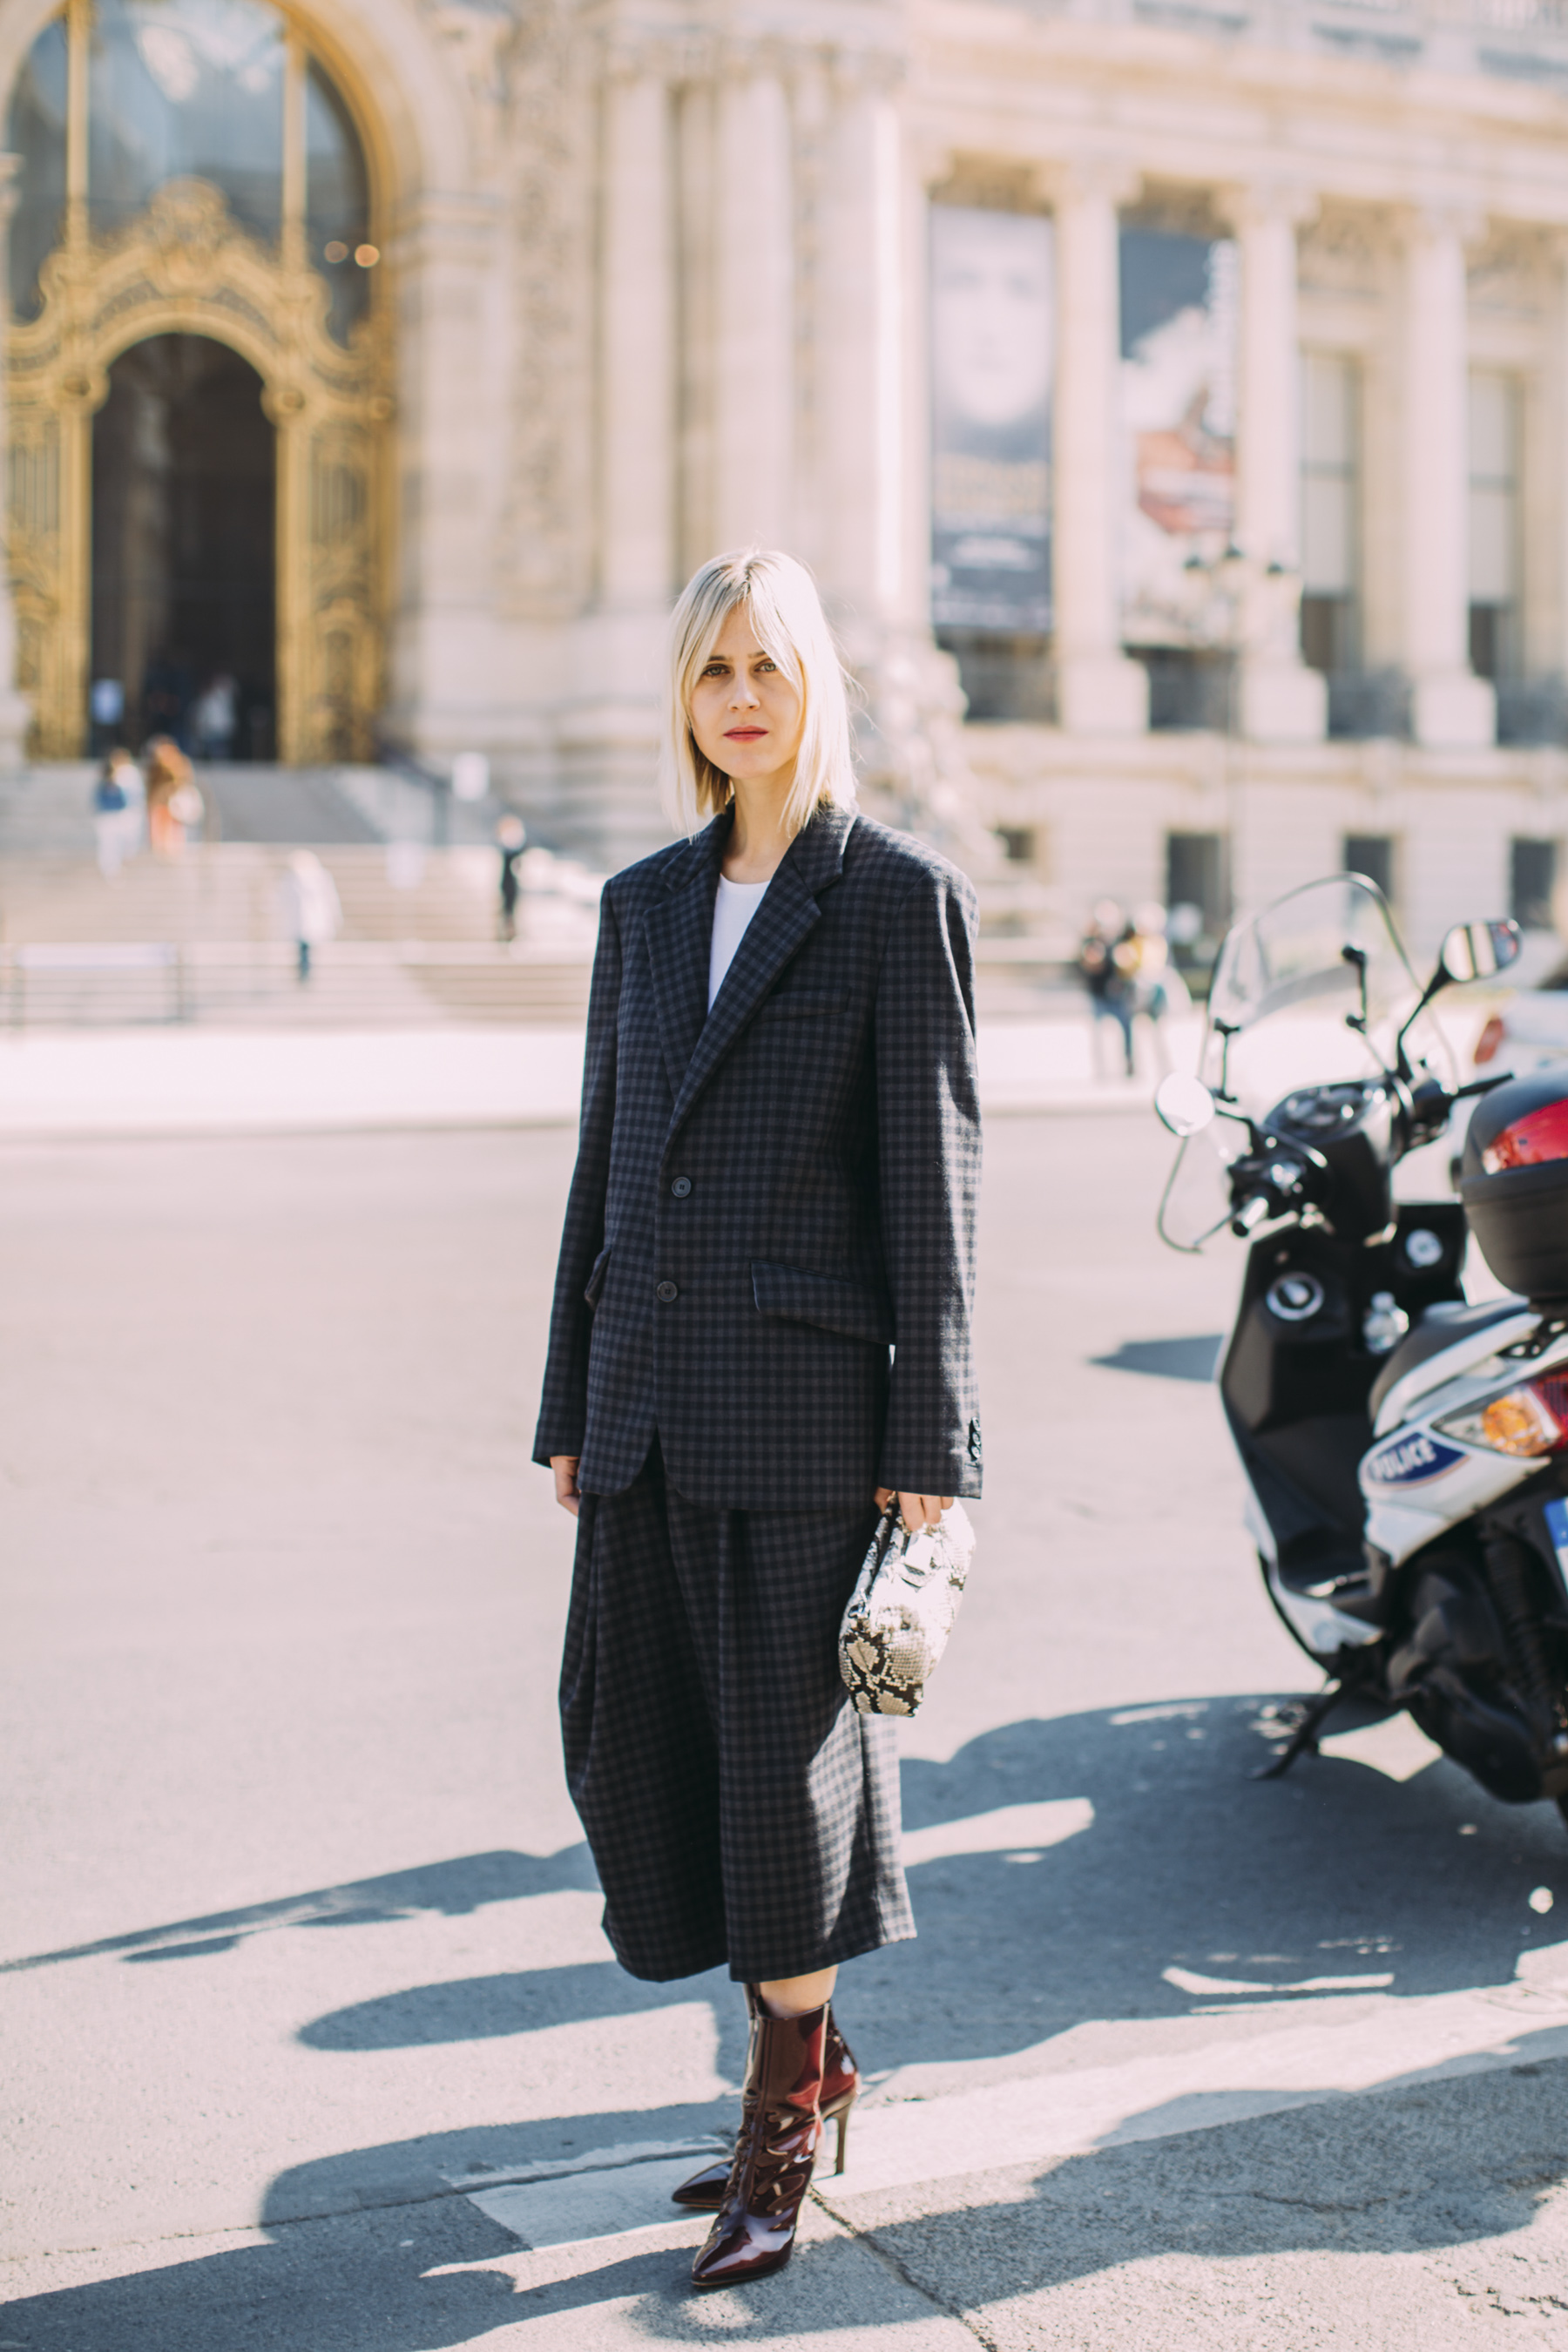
(1188, 1980)
(691, 2152)
(564, 2211)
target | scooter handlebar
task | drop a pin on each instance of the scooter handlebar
(1251, 1212)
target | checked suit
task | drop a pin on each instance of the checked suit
(762, 1313)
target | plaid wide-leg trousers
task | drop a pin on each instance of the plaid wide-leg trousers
(739, 1809)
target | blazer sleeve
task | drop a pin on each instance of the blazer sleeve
(928, 1122)
(563, 1409)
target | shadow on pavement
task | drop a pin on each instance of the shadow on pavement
(1167, 1359)
(1188, 1863)
(452, 1888)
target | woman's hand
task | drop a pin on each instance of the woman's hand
(563, 1467)
(917, 1511)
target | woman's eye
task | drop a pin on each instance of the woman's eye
(767, 665)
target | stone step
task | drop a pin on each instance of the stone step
(236, 984)
(217, 891)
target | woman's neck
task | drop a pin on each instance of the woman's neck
(759, 836)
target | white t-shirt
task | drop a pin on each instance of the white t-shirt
(732, 910)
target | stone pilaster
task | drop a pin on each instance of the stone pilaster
(1100, 691)
(754, 305)
(15, 712)
(637, 343)
(1280, 700)
(1450, 706)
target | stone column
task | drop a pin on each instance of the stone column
(754, 307)
(1280, 700)
(1450, 706)
(15, 712)
(608, 735)
(861, 444)
(1099, 691)
(636, 346)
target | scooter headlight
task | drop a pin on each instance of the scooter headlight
(1526, 1421)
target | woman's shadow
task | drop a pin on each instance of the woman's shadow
(1161, 1870)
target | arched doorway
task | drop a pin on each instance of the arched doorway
(192, 180)
(184, 525)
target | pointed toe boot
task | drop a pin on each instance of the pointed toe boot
(704, 2193)
(781, 2129)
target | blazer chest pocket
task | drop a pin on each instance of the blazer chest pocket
(803, 1003)
(856, 1310)
(595, 1282)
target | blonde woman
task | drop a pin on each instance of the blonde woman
(776, 1187)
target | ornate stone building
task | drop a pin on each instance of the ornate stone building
(1184, 382)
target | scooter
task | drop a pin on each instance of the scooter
(1405, 1450)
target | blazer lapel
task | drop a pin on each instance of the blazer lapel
(789, 908)
(679, 934)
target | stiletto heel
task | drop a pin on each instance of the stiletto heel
(844, 2115)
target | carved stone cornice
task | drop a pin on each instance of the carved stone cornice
(1439, 220)
(1249, 203)
(1093, 179)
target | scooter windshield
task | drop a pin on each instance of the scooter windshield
(1285, 1011)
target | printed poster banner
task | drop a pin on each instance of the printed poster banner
(1180, 298)
(992, 334)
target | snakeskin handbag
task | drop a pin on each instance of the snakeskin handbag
(901, 1610)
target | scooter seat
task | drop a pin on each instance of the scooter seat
(1438, 1327)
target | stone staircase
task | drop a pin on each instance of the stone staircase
(196, 938)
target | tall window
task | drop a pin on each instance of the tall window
(1494, 524)
(1331, 512)
(1372, 853)
(187, 89)
(1533, 884)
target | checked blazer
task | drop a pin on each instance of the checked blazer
(769, 1248)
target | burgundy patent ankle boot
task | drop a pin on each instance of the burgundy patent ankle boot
(781, 2130)
(704, 2193)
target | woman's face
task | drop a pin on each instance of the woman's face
(746, 716)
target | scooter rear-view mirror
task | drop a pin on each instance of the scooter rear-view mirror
(1477, 950)
(1183, 1105)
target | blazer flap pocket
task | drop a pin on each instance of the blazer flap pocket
(595, 1282)
(798, 1003)
(857, 1311)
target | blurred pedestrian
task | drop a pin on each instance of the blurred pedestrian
(215, 720)
(134, 784)
(780, 1072)
(168, 774)
(1106, 975)
(1152, 976)
(109, 811)
(309, 911)
(511, 834)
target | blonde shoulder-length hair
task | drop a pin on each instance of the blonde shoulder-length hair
(786, 615)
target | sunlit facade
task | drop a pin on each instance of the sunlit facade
(1179, 391)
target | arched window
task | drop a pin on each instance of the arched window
(221, 90)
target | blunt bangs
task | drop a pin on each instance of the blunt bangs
(788, 621)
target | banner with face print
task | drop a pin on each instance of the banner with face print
(991, 385)
(1178, 313)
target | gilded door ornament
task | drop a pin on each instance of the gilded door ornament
(185, 267)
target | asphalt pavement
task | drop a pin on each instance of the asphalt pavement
(311, 2039)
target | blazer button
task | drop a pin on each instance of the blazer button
(682, 1187)
(665, 1291)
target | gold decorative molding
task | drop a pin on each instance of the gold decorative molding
(184, 266)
